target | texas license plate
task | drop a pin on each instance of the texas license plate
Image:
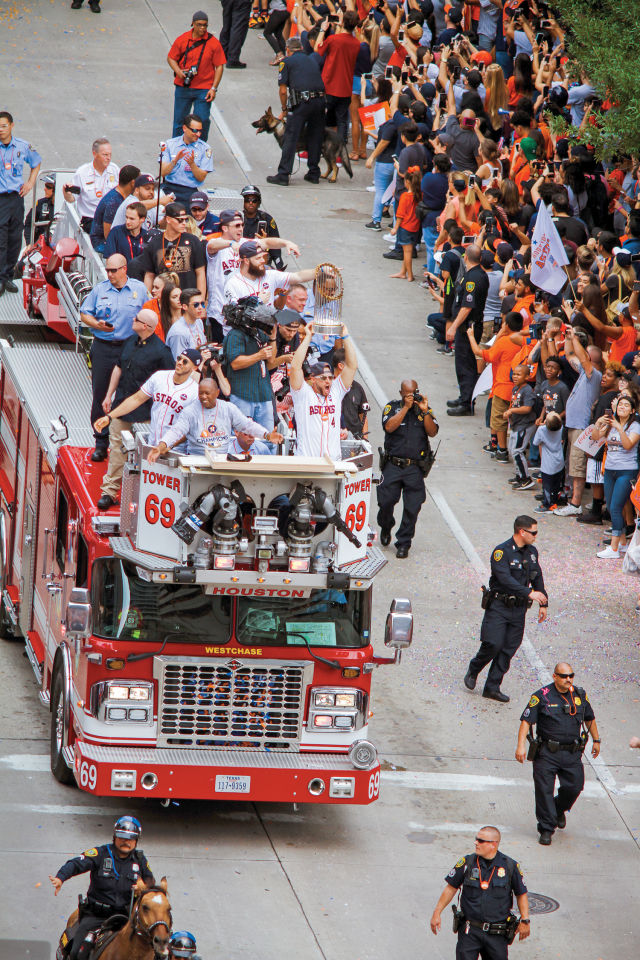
(226, 783)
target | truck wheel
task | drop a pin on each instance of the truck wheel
(59, 736)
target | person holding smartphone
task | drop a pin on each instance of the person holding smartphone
(621, 431)
(109, 310)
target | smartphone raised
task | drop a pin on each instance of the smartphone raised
(469, 238)
(636, 287)
(400, 36)
(262, 226)
(404, 76)
(635, 257)
(407, 61)
(333, 18)
(388, 72)
(442, 101)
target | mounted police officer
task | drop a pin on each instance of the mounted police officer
(115, 869)
(302, 98)
(516, 581)
(489, 879)
(472, 287)
(254, 216)
(15, 154)
(408, 423)
(564, 718)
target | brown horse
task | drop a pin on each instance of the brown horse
(146, 934)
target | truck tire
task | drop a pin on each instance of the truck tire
(59, 767)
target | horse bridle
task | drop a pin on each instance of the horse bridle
(146, 933)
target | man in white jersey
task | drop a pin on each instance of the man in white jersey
(94, 180)
(170, 392)
(187, 333)
(223, 258)
(208, 423)
(317, 403)
(253, 279)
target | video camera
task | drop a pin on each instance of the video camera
(250, 315)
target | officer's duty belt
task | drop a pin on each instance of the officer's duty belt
(510, 600)
(403, 462)
(572, 746)
(499, 928)
(303, 96)
(100, 909)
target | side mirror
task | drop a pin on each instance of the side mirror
(398, 631)
(77, 618)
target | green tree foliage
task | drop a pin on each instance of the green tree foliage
(603, 39)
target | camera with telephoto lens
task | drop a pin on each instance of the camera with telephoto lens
(189, 75)
(216, 351)
(250, 315)
(282, 390)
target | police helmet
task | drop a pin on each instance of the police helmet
(127, 828)
(251, 191)
(182, 944)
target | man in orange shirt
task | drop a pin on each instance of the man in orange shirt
(197, 58)
(500, 355)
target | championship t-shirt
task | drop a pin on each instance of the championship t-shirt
(169, 400)
(318, 420)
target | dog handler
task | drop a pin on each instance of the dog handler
(303, 104)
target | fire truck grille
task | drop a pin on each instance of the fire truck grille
(249, 706)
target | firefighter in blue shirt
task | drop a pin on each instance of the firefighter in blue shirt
(14, 154)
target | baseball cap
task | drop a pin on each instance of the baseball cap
(445, 139)
(49, 179)
(455, 15)
(228, 216)
(200, 15)
(174, 209)
(482, 56)
(623, 258)
(505, 252)
(249, 249)
(487, 259)
(319, 369)
(199, 199)
(143, 180)
(428, 91)
(288, 318)
(191, 354)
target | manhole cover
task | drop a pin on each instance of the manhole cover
(538, 903)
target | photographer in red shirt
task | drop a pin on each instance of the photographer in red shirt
(340, 50)
(197, 60)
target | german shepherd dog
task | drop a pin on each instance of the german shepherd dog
(332, 145)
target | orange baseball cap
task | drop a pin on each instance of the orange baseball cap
(482, 56)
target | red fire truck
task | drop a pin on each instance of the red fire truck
(210, 638)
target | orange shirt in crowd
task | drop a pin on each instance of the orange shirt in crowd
(624, 344)
(406, 212)
(500, 355)
(155, 306)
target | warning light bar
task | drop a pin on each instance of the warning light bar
(299, 564)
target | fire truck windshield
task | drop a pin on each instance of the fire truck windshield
(328, 618)
(126, 607)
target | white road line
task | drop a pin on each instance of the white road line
(56, 809)
(369, 377)
(29, 762)
(475, 783)
(232, 143)
(600, 768)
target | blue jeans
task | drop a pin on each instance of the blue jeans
(187, 100)
(260, 411)
(617, 487)
(430, 235)
(382, 177)
(438, 323)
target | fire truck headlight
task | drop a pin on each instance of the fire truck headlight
(337, 709)
(118, 693)
(122, 701)
(346, 699)
(139, 693)
(324, 699)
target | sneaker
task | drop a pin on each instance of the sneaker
(607, 553)
(622, 549)
(589, 518)
(501, 456)
(536, 472)
(527, 483)
(373, 225)
(539, 496)
(446, 350)
(490, 447)
(569, 511)
(513, 480)
(542, 508)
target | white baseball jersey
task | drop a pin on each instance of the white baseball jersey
(318, 420)
(237, 286)
(93, 186)
(219, 265)
(185, 336)
(169, 400)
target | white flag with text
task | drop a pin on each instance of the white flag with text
(547, 254)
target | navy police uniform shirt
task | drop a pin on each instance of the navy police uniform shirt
(558, 716)
(515, 570)
(409, 440)
(300, 72)
(13, 156)
(493, 904)
(472, 287)
(112, 877)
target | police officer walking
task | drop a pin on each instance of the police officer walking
(516, 581)
(564, 718)
(14, 154)
(186, 160)
(303, 102)
(472, 287)
(408, 423)
(115, 870)
(109, 309)
(489, 879)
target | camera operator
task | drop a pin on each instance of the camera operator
(250, 355)
(408, 424)
(197, 60)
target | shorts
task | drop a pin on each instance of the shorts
(594, 470)
(577, 457)
(405, 237)
(368, 92)
(498, 407)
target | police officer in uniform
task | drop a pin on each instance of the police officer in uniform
(489, 880)
(253, 216)
(515, 582)
(44, 210)
(472, 287)
(563, 717)
(408, 423)
(14, 154)
(186, 161)
(303, 102)
(115, 869)
(182, 944)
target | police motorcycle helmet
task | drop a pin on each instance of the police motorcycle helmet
(182, 944)
(127, 828)
(250, 190)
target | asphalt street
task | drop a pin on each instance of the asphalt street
(325, 883)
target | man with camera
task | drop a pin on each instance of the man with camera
(408, 424)
(564, 719)
(197, 60)
(186, 160)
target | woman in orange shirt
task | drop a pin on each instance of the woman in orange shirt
(157, 287)
(407, 224)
